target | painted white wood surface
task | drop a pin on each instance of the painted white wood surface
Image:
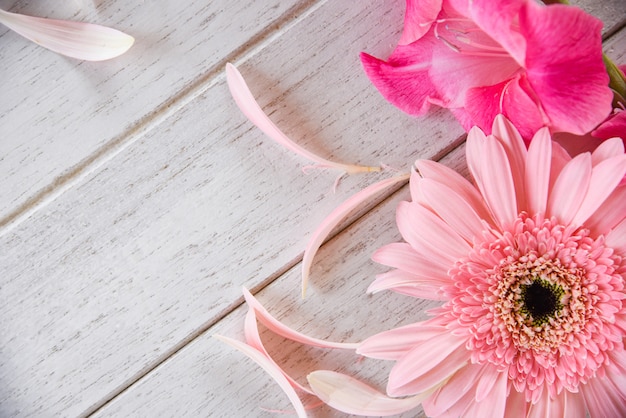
(173, 207)
(207, 378)
(113, 275)
(61, 117)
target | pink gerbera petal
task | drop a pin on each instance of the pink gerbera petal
(570, 188)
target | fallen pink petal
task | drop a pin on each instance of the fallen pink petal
(335, 217)
(249, 107)
(84, 41)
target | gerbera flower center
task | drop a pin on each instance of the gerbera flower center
(539, 300)
(542, 300)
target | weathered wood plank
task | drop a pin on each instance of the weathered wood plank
(59, 116)
(124, 268)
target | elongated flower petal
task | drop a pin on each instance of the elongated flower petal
(249, 106)
(570, 188)
(605, 177)
(271, 369)
(276, 326)
(409, 284)
(428, 365)
(336, 216)
(79, 40)
(352, 396)
(537, 172)
(395, 343)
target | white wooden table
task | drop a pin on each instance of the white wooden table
(136, 201)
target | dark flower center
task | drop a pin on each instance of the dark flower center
(541, 300)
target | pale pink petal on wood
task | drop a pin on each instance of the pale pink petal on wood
(336, 216)
(249, 107)
(84, 41)
(271, 369)
(352, 396)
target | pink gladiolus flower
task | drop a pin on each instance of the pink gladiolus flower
(530, 266)
(614, 126)
(79, 40)
(479, 58)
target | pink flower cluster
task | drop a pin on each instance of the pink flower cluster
(532, 63)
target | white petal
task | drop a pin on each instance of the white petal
(79, 40)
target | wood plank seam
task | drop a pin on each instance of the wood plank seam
(380, 200)
(76, 174)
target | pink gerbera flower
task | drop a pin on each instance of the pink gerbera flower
(530, 266)
(479, 58)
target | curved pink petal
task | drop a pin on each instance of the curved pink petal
(491, 402)
(401, 255)
(253, 339)
(537, 172)
(79, 40)
(270, 367)
(277, 327)
(490, 167)
(605, 177)
(508, 97)
(408, 284)
(607, 149)
(403, 80)
(573, 405)
(429, 234)
(428, 365)
(610, 213)
(614, 126)
(497, 19)
(603, 399)
(337, 215)
(445, 175)
(516, 404)
(418, 18)
(453, 209)
(564, 50)
(454, 73)
(352, 396)
(395, 343)
(249, 107)
(548, 406)
(617, 237)
(570, 189)
(516, 153)
(461, 383)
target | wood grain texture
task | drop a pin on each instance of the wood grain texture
(59, 116)
(121, 270)
(208, 378)
(149, 246)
